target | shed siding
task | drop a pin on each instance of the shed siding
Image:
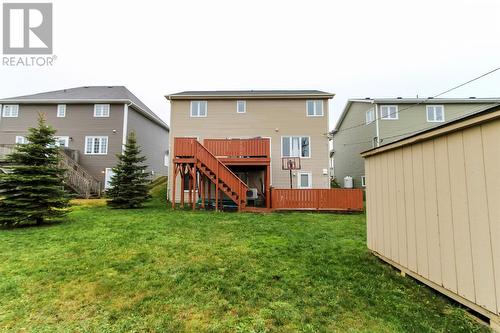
(491, 153)
(433, 208)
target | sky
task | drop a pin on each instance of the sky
(353, 48)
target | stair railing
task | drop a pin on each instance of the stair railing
(224, 173)
(79, 178)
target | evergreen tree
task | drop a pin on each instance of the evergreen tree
(129, 184)
(34, 190)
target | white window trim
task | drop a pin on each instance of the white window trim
(389, 106)
(299, 136)
(244, 106)
(198, 115)
(59, 108)
(107, 184)
(21, 138)
(299, 176)
(96, 137)
(370, 112)
(314, 104)
(4, 115)
(102, 116)
(363, 181)
(434, 111)
(65, 137)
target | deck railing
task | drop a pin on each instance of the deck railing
(184, 147)
(257, 147)
(317, 199)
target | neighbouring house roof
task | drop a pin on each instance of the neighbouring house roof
(91, 94)
(416, 101)
(460, 123)
(251, 94)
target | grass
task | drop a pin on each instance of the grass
(158, 270)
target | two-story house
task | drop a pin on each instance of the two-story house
(372, 122)
(250, 132)
(92, 125)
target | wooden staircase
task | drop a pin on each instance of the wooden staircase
(76, 178)
(79, 179)
(190, 152)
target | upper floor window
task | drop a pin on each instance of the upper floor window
(435, 113)
(10, 111)
(21, 139)
(96, 145)
(198, 108)
(370, 116)
(61, 111)
(315, 108)
(363, 181)
(389, 112)
(295, 146)
(101, 110)
(241, 106)
(304, 180)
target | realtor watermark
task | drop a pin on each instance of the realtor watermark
(27, 34)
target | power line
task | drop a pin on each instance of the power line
(425, 100)
(465, 83)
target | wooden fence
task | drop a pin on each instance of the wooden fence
(317, 199)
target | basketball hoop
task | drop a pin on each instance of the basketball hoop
(290, 163)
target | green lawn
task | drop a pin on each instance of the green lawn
(158, 270)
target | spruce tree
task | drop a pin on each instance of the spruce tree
(129, 184)
(33, 192)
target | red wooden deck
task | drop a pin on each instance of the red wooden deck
(210, 160)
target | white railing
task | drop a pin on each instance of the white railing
(79, 178)
(76, 176)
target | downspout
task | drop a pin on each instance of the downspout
(125, 125)
(377, 142)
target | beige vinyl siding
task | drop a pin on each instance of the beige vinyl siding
(273, 118)
(443, 220)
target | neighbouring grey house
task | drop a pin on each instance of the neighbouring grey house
(92, 125)
(373, 122)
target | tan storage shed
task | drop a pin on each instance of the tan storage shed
(433, 209)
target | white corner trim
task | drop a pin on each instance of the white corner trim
(125, 126)
(376, 125)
